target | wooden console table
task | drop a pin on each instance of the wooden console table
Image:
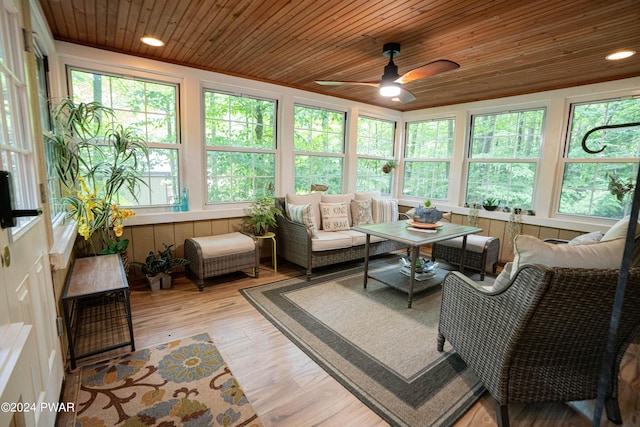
(96, 307)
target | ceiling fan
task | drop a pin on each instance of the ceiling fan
(390, 85)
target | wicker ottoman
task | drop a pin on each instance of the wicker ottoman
(481, 251)
(215, 255)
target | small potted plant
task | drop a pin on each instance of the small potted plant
(158, 267)
(389, 166)
(490, 204)
(261, 215)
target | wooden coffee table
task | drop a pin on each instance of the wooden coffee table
(400, 231)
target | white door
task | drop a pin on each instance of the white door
(31, 367)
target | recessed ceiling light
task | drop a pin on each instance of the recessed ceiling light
(622, 54)
(152, 41)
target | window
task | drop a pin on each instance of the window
(318, 148)
(376, 140)
(53, 181)
(150, 108)
(586, 176)
(503, 157)
(16, 140)
(427, 158)
(240, 146)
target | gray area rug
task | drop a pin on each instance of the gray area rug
(382, 351)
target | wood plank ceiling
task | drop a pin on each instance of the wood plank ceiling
(504, 47)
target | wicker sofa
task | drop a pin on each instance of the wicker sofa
(295, 244)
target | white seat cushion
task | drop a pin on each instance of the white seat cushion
(328, 240)
(475, 243)
(358, 238)
(225, 244)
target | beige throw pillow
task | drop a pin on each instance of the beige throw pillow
(619, 230)
(303, 214)
(367, 195)
(339, 198)
(334, 216)
(361, 212)
(531, 250)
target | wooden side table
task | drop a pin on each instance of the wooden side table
(271, 235)
(96, 307)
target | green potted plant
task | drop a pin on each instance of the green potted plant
(490, 204)
(158, 267)
(96, 158)
(261, 215)
(389, 166)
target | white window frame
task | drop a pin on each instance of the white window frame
(230, 149)
(18, 157)
(534, 161)
(564, 158)
(447, 160)
(342, 155)
(177, 146)
(378, 158)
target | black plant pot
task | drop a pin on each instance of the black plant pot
(489, 208)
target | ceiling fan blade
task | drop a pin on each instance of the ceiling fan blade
(330, 83)
(405, 96)
(427, 70)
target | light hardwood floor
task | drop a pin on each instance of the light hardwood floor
(285, 387)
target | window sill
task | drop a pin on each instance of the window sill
(64, 237)
(565, 222)
(145, 218)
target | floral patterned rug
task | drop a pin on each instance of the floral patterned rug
(182, 383)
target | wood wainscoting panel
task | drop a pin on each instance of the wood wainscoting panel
(163, 233)
(182, 231)
(202, 228)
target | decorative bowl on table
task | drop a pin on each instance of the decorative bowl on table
(427, 215)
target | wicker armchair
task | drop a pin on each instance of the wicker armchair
(542, 337)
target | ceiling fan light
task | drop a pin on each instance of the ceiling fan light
(389, 89)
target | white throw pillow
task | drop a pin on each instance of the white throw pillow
(587, 239)
(361, 212)
(303, 214)
(531, 250)
(339, 198)
(619, 230)
(334, 216)
(384, 210)
(504, 278)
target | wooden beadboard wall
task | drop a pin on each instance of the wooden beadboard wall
(145, 238)
(498, 228)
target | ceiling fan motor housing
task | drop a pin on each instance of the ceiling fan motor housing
(391, 69)
(390, 49)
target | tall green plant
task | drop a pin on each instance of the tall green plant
(96, 158)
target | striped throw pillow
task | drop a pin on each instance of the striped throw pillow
(384, 210)
(303, 214)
